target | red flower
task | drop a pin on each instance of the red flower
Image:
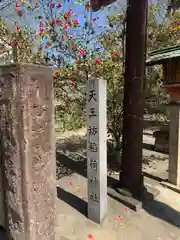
(70, 35)
(11, 44)
(98, 60)
(18, 28)
(82, 51)
(116, 54)
(70, 11)
(73, 84)
(52, 4)
(119, 218)
(41, 27)
(76, 22)
(65, 16)
(59, 22)
(18, 5)
(90, 236)
(66, 26)
(64, 35)
(59, 4)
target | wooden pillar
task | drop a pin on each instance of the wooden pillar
(131, 175)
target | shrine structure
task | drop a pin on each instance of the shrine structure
(169, 58)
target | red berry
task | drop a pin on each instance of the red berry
(65, 16)
(66, 26)
(98, 60)
(73, 84)
(82, 51)
(59, 4)
(58, 22)
(76, 22)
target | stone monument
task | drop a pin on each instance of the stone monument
(28, 151)
(96, 149)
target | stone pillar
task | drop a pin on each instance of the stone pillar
(28, 151)
(2, 214)
(174, 144)
(96, 149)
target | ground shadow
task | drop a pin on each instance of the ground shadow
(75, 147)
(163, 211)
(156, 178)
(148, 146)
(148, 134)
(153, 207)
(153, 125)
(73, 144)
(151, 147)
(78, 167)
(77, 203)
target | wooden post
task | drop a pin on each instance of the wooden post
(131, 177)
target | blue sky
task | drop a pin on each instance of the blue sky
(113, 8)
(101, 16)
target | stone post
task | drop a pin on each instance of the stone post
(96, 149)
(2, 215)
(174, 144)
(28, 151)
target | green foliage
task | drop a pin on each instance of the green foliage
(103, 56)
(20, 44)
(111, 68)
(71, 119)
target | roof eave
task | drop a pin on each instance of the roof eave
(162, 55)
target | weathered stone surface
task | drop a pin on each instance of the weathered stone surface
(2, 216)
(27, 131)
(96, 149)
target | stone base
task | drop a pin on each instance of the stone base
(125, 197)
(171, 186)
